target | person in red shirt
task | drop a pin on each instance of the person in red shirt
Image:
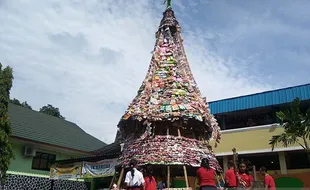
(230, 176)
(268, 181)
(245, 179)
(150, 182)
(206, 176)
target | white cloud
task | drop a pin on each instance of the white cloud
(89, 58)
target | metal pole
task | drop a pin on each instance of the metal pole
(0, 180)
(254, 173)
(52, 184)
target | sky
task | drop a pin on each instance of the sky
(88, 58)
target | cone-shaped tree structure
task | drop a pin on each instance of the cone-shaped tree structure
(168, 121)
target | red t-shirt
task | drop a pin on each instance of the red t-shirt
(230, 176)
(248, 179)
(206, 177)
(150, 184)
(269, 181)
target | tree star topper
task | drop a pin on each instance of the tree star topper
(168, 3)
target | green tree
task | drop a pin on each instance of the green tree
(23, 104)
(26, 105)
(6, 152)
(51, 110)
(296, 127)
(16, 102)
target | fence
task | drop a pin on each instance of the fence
(20, 182)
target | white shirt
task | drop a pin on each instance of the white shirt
(136, 180)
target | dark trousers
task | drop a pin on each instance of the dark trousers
(134, 188)
(208, 188)
(231, 188)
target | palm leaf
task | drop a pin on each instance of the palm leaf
(292, 119)
(285, 139)
(281, 116)
(296, 126)
(307, 124)
(295, 105)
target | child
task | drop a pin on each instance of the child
(163, 184)
(268, 181)
(246, 180)
(150, 182)
(206, 176)
(230, 176)
(134, 178)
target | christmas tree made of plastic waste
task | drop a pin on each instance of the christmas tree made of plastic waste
(168, 94)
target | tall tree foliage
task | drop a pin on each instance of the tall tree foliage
(23, 104)
(6, 152)
(51, 110)
(296, 128)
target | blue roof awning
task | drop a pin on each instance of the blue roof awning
(274, 97)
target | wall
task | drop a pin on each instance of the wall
(24, 164)
(257, 138)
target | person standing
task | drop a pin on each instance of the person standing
(206, 176)
(134, 178)
(150, 182)
(268, 180)
(163, 184)
(246, 180)
(230, 176)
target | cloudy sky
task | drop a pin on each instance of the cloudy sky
(89, 57)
